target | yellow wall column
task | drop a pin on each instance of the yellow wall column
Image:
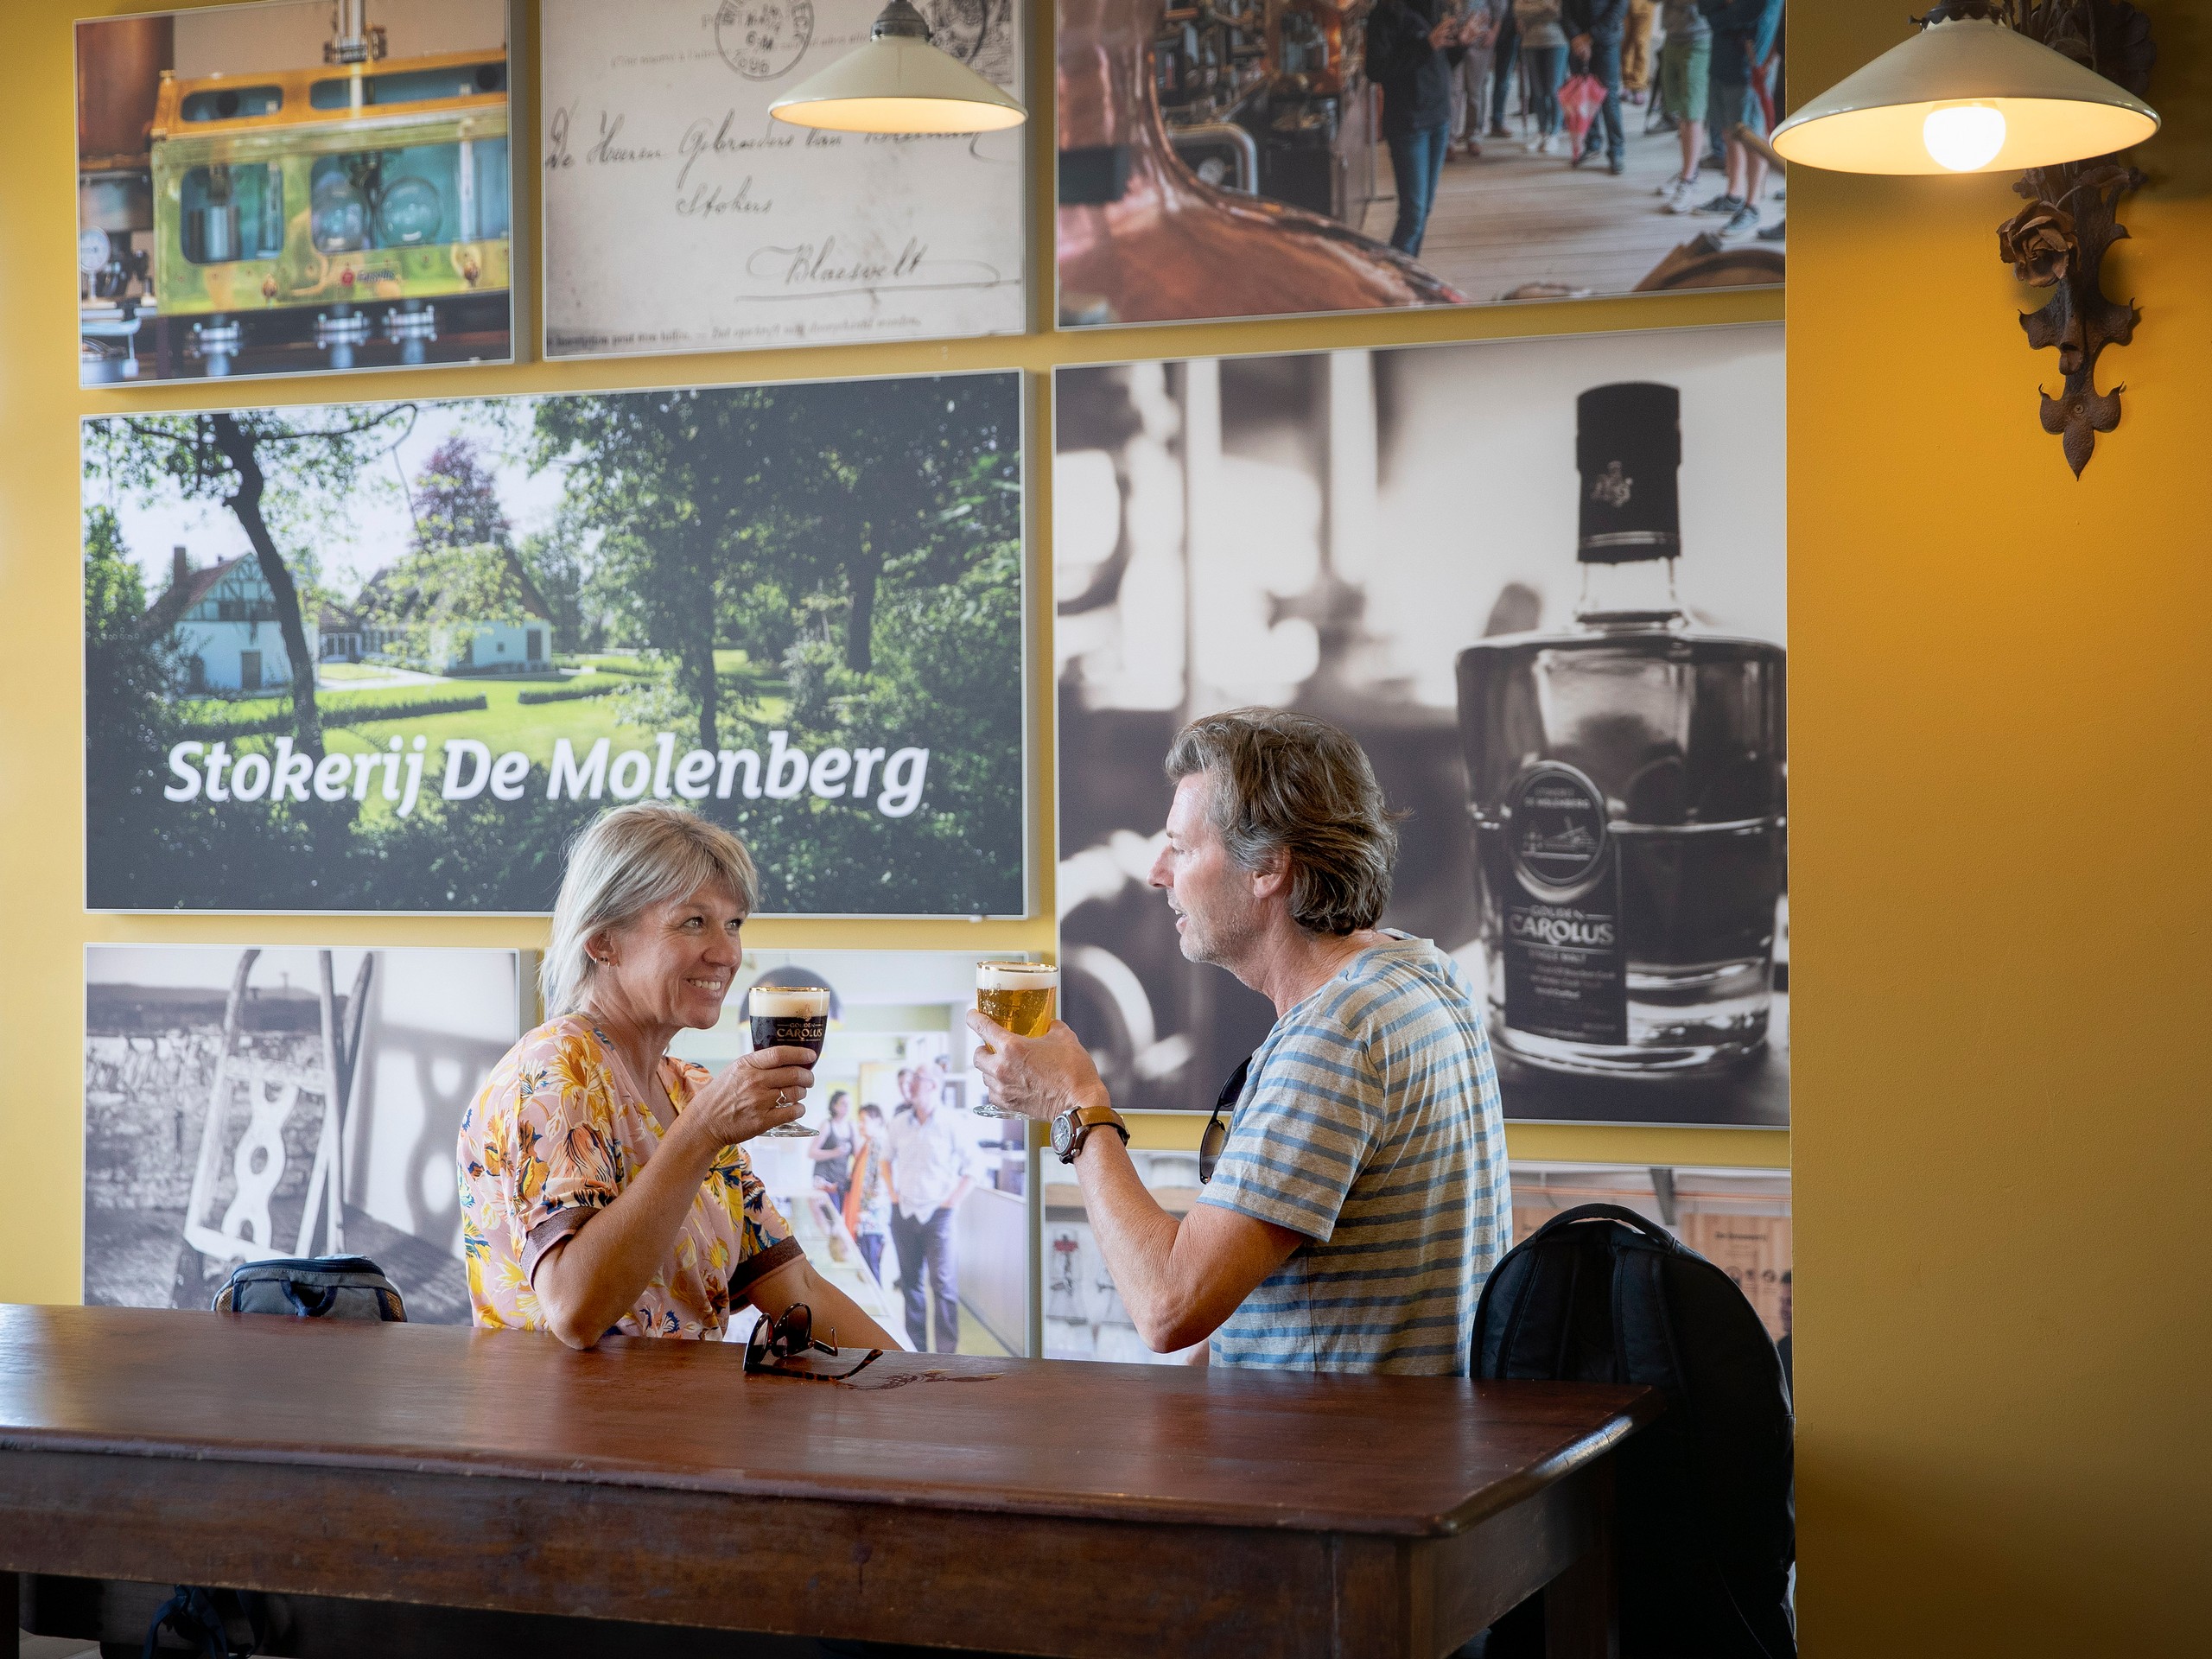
(2001, 903)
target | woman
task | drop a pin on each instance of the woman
(831, 1153)
(602, 1188)
(1544, 56)
(867, 1200)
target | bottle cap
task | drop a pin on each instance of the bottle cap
(1628, 447)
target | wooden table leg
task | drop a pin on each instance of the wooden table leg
(1582, 1605)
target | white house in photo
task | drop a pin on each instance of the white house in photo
(522, 645)
(222, 621)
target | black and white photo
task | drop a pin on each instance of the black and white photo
(1542, 583)
(243, 1103)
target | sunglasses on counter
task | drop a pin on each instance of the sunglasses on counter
(1216, 1133)
(787, 1335)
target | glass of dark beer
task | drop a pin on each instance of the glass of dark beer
(1021, 995)
(789, 1016)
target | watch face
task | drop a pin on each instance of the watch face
(1064, 1132)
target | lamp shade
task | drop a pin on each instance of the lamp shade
(1965, 95)
(899, 82)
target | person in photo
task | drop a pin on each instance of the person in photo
(1412, 51)
(831, 1152)
(604, 1184)
(932, 1167)
(1542, 29)
(1471, 80)
(1602, 22)
(1360, 1196)
(1636, 51)
(1685, 91)
(1505, 54)
(867, 1199)
(1744, 33)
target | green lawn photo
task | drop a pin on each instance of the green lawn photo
(794, 609)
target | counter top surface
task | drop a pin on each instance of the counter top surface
(1406, 1456)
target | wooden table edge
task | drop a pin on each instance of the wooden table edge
(1640, 1409)
(1639, 1413)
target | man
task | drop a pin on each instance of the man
(1410, 55)
(932, 1166)
(1360, 1198)
(1602, 22)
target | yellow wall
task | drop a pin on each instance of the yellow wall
(1999, 891)
(1999, 903)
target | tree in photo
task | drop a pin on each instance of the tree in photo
(461, 570)
(319, 456)
(685, 488)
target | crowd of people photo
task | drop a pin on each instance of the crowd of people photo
(1582, 81)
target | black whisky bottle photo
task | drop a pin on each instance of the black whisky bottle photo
(1628, 778)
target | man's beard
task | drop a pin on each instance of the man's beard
(1219, 943)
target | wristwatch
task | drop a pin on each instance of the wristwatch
(1072, 1126)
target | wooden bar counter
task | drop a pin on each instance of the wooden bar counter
(1090, 1511)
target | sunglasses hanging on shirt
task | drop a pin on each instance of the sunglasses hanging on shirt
(1217, 1132)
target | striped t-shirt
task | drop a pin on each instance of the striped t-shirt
(1370, 1123)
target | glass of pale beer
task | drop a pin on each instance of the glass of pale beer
(789, 1016)
(1021, 995)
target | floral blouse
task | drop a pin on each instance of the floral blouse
(551, 1138)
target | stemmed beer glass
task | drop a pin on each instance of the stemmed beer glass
(1019, 995)
(789, 1016)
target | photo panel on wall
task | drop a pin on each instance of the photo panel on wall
(392, 657)
(1739, 1219)
(1320, 156)
(681, 217)
(1542, 584)
(242, 1103)
(293, 187)
(902, 1195)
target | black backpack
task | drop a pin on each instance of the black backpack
(1705, 1513)
(305, 1287)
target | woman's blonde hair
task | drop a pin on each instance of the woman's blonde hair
(627, 860)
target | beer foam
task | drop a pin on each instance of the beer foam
(788, 1002)
(1016, 976)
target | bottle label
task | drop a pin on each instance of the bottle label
(1566, 961)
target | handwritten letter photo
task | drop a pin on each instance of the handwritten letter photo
(680, 217)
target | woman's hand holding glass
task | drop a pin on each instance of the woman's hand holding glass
(753, 1094)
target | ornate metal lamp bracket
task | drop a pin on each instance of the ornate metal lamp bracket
(2059, 239)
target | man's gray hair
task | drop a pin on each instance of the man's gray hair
(627, 860)
(1290, 783)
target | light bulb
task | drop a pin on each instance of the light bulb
(1965, 138)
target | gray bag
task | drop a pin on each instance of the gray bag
(312, 1287)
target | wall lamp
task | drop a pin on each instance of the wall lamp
(2053, 86)
(899, 82)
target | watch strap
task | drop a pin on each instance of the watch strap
(1083, 1119)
